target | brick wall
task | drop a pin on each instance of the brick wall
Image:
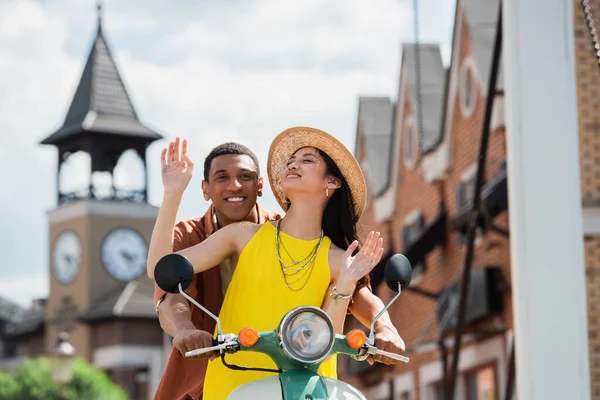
(592, 262)
(588, 94)
(413, 312)
(588, 97)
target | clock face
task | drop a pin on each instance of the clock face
(124, 254)
(66, 257)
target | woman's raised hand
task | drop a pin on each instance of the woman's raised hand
(355, 267)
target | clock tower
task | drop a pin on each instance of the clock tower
(99, 233)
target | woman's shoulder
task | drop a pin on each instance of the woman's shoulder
(239, 233)
(243, 227)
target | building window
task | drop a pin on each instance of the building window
(434, 391)
(414, 224)
(468, 88)
(404, 396)
(410, 143)
(465, 192)
(481, 384)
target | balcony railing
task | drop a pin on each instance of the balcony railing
(125, 195)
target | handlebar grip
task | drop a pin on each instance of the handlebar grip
(204, 350)
(394, 356)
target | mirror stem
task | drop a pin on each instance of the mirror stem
(220, 337)
(371, 338)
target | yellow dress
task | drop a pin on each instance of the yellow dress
(258, 297)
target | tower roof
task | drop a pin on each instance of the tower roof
(101, 103)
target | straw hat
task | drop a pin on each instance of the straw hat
(291, 140)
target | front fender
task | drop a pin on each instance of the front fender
(338, 390)
(266, 388)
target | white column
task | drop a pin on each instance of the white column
(546, 233)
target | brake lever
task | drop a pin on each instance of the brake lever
(228, 345)
(362, 354)
(368, 350)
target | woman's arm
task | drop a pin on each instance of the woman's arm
(336, 307)
(346, 271)
(216, 248)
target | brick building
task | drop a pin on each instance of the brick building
(588, 108)
(420, 158)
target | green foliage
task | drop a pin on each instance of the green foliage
(33, 381)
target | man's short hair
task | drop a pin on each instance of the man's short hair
(227, 149)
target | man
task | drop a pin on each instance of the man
(232, 183)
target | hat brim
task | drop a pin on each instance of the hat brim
(291, 140)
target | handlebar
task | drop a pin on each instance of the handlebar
(375, 351)
(229, 344)
(232, 345)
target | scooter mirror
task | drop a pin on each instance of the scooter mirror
(398, 272)
(171, 270)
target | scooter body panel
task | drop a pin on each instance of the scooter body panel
(297, 385)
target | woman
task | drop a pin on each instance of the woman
(306, 258)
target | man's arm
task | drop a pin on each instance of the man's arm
(176, 171)
(172, 308)
(175, 314)
(161, 242)
(365, 308)
(175, 318)
(174, 311)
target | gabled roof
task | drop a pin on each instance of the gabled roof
(101, 103)
(11, 312)
(32, 322)
(375, 120)
(432, 86)
(482, 16)
(128, 300)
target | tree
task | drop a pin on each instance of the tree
(33, 381)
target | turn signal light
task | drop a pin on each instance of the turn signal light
(248, 337)
(356, 338)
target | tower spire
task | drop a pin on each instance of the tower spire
(99, 13)
(102, 122)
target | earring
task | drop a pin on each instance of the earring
(326, 192)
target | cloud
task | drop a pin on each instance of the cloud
(208, 71)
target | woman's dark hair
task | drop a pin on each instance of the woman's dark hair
(338, 218)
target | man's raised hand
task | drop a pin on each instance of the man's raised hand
(176, 167)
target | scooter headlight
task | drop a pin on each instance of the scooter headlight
(307, 335)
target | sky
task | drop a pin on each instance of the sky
(206, 71)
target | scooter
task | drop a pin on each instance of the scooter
(304, 339)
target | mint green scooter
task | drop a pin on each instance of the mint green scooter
(304, 339)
